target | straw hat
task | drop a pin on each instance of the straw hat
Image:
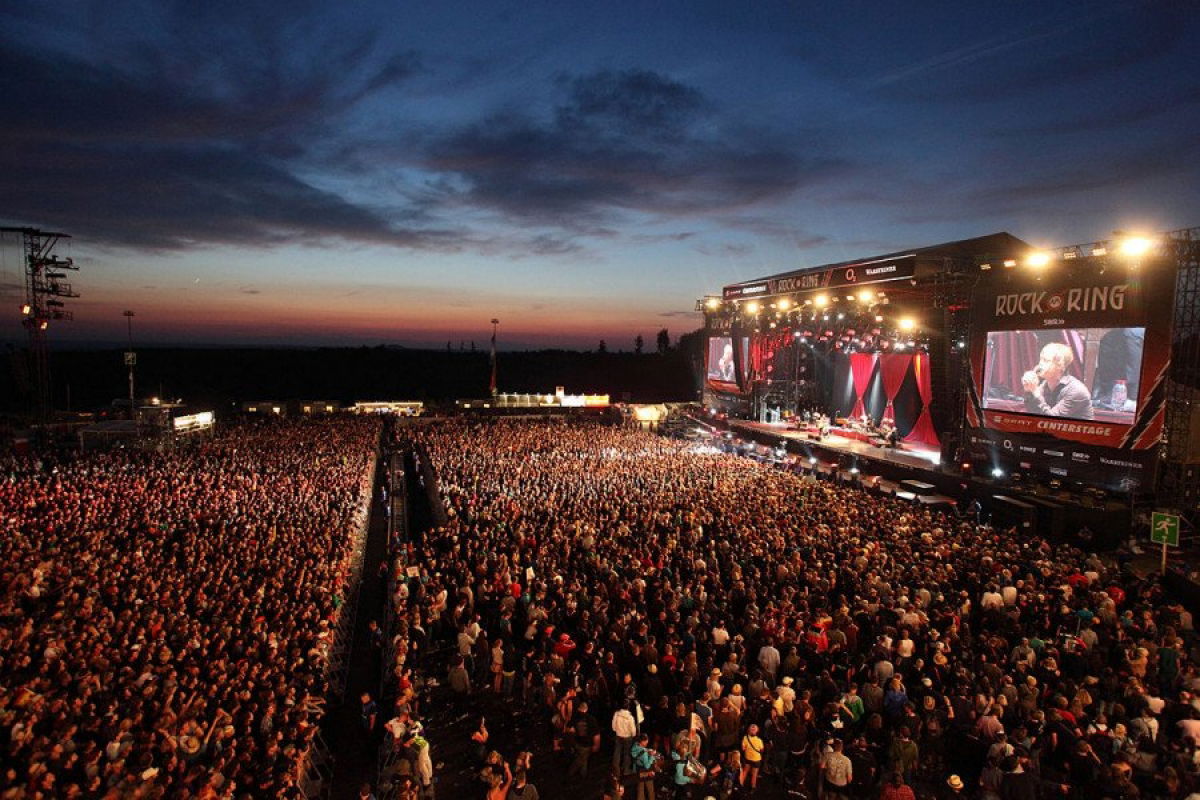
(954, 782)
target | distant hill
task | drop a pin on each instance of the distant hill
(219, 376)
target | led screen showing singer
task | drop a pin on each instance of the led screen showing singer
(1072, 373)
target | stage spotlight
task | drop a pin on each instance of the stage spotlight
(841, 315)
(26, 310)
(1010, 263)
(866, 296)
(821, 300)
(812, 459)
(879, 317)
(752, 307)
(713, 303)
(907, 323)
(1136, 246)
(1099, 251)
(997, 472)
(899, 345)
(784, 304)
(1037, 260)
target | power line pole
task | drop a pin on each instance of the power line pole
(495, 324)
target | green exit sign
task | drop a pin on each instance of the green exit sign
(1164, 528)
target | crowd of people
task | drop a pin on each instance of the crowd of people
(705, 625)
(167, 617)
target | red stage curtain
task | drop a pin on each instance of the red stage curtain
(758, 347)
(923, 432)
(892, 368)
(861, 367)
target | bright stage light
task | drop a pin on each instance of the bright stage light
(854, 470)
(26, 310)
(1010, 263)
(713, 303)
(907, 324)
(821, 300)
(812, 459)
(997, 472)
(752, 307)
(1037, 260)
(784, 304)
(1136, 246)
(866, 296)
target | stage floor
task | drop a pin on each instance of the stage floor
(907, 454)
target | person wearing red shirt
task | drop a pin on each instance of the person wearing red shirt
(895, 789)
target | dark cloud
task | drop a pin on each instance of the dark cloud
(546, 245)
(174, 197)
(726, 249)
(628, 141)
(141, 158)
(635, 102)
(1131, 111)
(655, 238)
(397, 69)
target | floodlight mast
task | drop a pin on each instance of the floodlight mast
(45, 290)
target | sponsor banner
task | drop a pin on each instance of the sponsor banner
(866, 272)
(1090, 432)
(1046, 458)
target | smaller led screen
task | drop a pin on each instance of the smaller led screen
(721, 366)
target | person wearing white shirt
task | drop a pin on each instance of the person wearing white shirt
(768, 659)
(624, 728)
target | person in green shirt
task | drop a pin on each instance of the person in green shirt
(851, 703)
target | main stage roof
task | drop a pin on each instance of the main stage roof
(916, 262)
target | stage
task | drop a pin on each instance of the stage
(851, 443)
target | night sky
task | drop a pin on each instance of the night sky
(365, 173)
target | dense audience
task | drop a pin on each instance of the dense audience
(166, 617)
(723, 624)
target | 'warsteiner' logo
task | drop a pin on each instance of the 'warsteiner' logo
(1091, 298)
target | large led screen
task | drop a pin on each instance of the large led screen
(1070, 373)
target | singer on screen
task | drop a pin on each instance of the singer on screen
(1050, 391)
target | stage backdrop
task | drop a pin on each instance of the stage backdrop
(1094, 346)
